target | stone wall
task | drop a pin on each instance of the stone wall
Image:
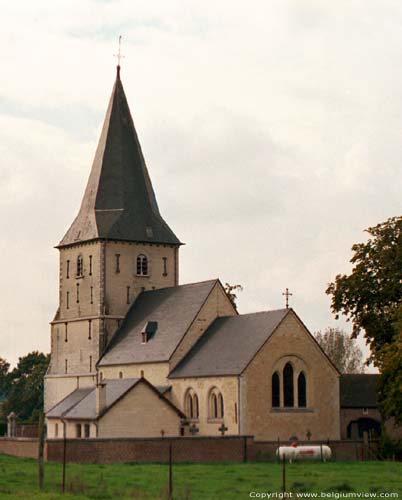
(290, 343)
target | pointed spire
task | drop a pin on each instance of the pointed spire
(119, 202)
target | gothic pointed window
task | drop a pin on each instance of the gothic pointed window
(276, 400)
(142, 265)
(195, 406)
(216, 404)
(191, 404)
(288, 398)
(221, 408)
(301, 391)
(80, 266)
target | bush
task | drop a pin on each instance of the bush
(389, 448)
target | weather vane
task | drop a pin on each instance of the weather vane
(287, 294)
(119, 56)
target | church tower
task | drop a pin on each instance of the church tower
(117, 246)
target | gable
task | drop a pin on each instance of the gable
(217, 304)
(292, 338)
(140, 412)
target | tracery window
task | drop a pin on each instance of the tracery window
(215, 404)
(142, 265)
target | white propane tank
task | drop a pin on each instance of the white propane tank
(302, 452)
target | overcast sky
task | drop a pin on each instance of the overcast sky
(272, 133)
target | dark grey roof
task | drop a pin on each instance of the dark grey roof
(81, 403)
(86, 408)
(69, 402)
(119, 202)
(359, 390)
(174, 309)
(229, 344)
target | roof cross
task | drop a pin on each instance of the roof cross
(119, 56)
(287, 294)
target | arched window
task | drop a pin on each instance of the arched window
(191, 404)
(142, 265)
(288, 399)
(195, 406)
(221, 408)
(276, 400)
(80, 266)
(216, 405)
(301, 391)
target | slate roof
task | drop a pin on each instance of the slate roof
(359, 390)
(174, 309)
(68, 402)
(81, 403)
(229, 344)
(119, 202)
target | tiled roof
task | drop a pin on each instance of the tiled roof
(359, 390)
(229, 344)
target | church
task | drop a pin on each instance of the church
(136, 354)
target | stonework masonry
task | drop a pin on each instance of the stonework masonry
(292, 343)
(94, 299)
(216, 305)
(202, 386)
(140, 413)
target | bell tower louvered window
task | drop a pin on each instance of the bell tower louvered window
(142, 265)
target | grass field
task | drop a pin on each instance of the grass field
(18, 480)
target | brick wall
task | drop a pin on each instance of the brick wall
(194, 449)
(19, 447)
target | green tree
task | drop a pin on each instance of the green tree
(4, 376)
(341, 349)
(231, 292)
(371, 297)
(25, 396)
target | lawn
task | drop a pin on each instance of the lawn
(18, 480)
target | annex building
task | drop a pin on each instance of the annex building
(136, 354)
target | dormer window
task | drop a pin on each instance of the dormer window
(80, 266)
(149, 331)
(142, 265)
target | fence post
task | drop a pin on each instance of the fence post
(283, 475)
(63, 481)
(279, 445)
(41, 448)
(245, 449)
(170, 496)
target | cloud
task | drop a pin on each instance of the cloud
(272, 133)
